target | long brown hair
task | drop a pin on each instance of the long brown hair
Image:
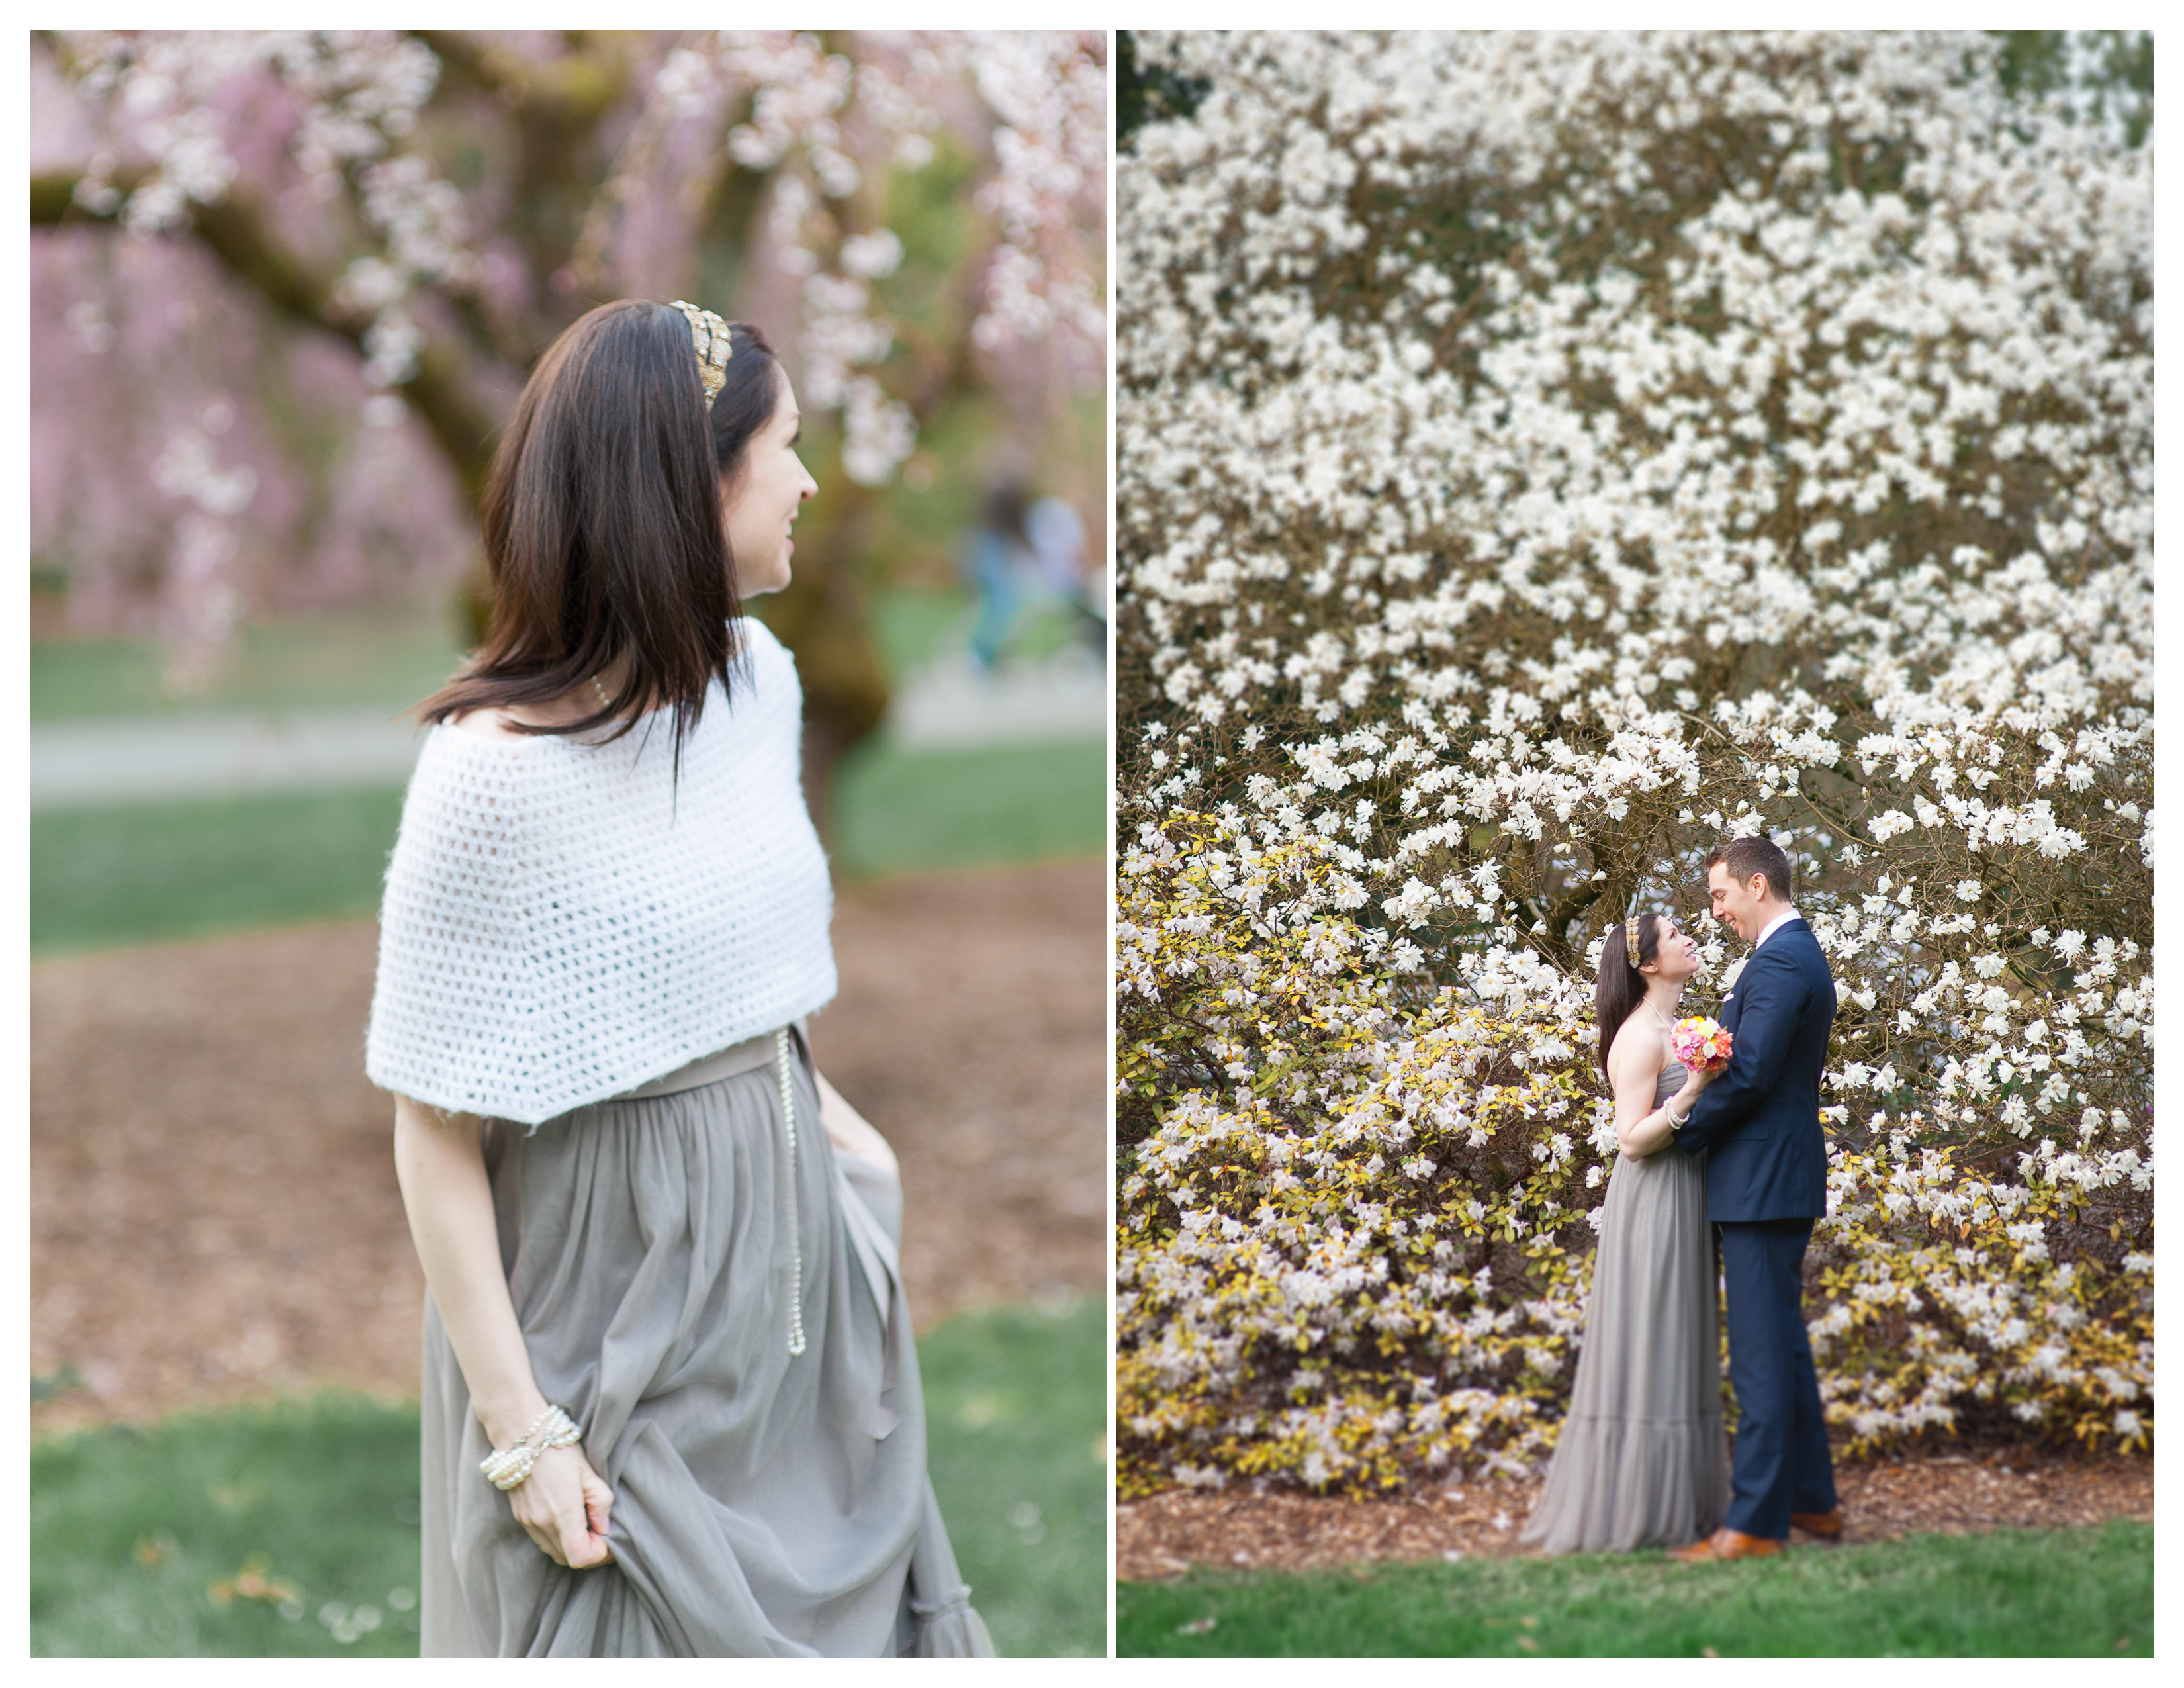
(1621, 987)
(602, 523)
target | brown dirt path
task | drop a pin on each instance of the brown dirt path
(212, 1204)
(1166, 1535)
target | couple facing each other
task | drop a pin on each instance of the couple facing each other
(1738, 1153)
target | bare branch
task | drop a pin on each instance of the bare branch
(576, 88)
(236, 232)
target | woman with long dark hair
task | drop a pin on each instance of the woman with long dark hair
(1642, 1457)
(670, 1402)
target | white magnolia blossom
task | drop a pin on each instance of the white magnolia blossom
(1540, 456)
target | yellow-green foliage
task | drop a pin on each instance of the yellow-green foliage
(1357, 1213)
(1354, 1258)
(1935, 1285)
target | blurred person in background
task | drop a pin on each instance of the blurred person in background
(1057, 533)
(1001, 568)
(670, 1402)
(1057, 539)
(1024, 553)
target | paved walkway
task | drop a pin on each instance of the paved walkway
(951, 704)
(158, 759)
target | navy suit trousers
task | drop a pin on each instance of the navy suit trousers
(1782, 1461)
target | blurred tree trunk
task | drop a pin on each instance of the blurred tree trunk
(448, 391)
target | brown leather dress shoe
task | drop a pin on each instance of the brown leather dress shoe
(1727, 1544)
(1827, 1525)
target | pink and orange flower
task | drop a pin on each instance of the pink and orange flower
(1701, 1043)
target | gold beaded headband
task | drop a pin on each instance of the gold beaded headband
(709, 336)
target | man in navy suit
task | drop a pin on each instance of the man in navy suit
(1759, 1123)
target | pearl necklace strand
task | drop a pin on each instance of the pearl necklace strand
(795, 1239)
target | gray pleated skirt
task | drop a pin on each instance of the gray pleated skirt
(1642, 1458)
(764, 1504)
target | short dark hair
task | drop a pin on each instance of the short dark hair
(1744, 857)
(602, 523)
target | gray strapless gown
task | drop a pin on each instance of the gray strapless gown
(765, 1505)
(1642, 1458)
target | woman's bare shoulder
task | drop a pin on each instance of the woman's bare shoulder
(504, 721)
(1639, 1052)
(488, 723)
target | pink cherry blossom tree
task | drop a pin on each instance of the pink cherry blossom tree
(285, 285)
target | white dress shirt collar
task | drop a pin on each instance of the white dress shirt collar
(1772, 926)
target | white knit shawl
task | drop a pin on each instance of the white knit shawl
(564, 920)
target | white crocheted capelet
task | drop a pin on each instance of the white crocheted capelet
(564, 923)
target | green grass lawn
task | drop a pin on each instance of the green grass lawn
(2013, 1593)
(1015, 1401)
(140, 873)
(146, 873)
(336, 662)
(997, 805)
(306, 1510)
(368, 660)
(131, 1531)
(150, 872)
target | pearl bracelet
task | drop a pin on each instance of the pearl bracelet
(506, 1468)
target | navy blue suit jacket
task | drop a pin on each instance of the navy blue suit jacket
(1762, 1118)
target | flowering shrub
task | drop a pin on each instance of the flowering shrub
(1971, 1305)
(1540, 457)
(1352, 1264)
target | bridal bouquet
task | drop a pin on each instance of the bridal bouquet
(1701, 1043)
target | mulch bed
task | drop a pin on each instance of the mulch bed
(1167, 1535)
(214, 1211)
